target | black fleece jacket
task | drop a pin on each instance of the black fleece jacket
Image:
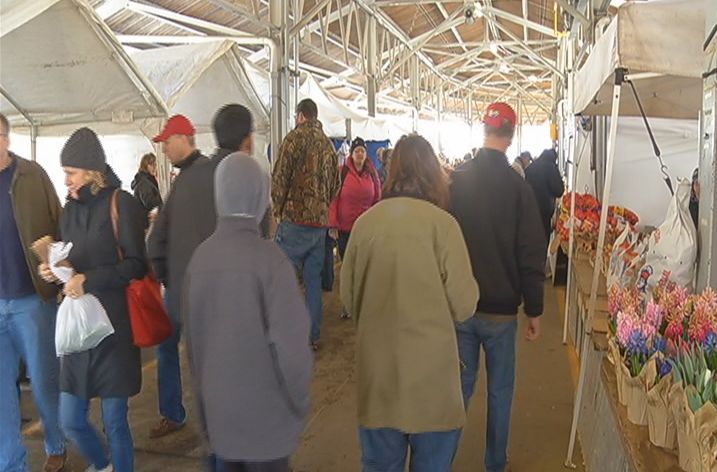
(499, 216)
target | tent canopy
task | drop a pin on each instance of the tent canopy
(61, 65)
(333, 114)
(196, 80)
(636, 40)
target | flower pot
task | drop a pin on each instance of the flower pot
(660, 422)
(636, 393)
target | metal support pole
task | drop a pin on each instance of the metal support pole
(349, 131)
(279, 112)
(33, 142)
(297, 59)
(619, 78)
(371, 66)
(519, 129)
(439, 116)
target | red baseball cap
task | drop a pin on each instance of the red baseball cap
(499, 113)
(178, 124)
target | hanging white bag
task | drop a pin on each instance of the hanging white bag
(673, 246)
(82, 323)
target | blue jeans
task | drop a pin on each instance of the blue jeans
(27, 331)
(74, 419)
(304, 245)
(498, 341)
(169, 372)
(384, 450)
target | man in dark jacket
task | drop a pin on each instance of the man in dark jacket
(29, 210)
(499, 218)
(186, 220)
(544, 177)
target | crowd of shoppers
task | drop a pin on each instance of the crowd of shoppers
(435, 265)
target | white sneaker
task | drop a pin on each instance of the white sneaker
(91, 468)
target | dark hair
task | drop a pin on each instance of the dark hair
(506, 130)
(148, 159)
(232, 125)
(308, 108)
(5, 123)
(415, 172)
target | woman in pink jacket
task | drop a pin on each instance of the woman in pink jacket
(360, 190)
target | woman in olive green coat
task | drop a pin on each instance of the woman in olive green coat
(407, 278)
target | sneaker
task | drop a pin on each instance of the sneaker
(164, 428)
(55, 463)
(345, 315)
(91, 468)
(314, 345)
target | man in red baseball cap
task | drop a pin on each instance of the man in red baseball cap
(499, 217)
(186, 219)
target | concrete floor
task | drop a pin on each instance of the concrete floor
(540, 427)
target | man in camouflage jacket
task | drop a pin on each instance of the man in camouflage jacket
(304, 182)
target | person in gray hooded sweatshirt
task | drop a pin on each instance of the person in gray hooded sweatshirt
(247, 330)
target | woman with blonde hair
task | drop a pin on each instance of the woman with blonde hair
(407, 279)
(104, 266)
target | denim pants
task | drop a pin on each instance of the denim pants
(74, 413)
(384, 450)
(498, 341)
(304, 245)
(27, 331)
(327, 272)
(169, 373)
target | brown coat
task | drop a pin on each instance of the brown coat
(407, 278)
(37, 214)
(306, 177)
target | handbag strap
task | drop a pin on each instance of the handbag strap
(114, 216)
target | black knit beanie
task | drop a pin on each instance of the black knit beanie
(358, 142)
(83, 151)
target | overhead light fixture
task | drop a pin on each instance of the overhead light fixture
(472, 10)
(504, 68)
(533, 78)
(493, 48)
(617, 3)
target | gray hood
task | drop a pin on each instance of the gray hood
(241, 187)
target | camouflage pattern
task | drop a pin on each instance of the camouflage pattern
(305, 178)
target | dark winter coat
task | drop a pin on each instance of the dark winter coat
(544, 177)
(113, 368)
(501, 225)
(146, 190)
(187, 218)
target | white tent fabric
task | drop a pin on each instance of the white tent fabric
(661, 37)
(196, 80)
(333, 114)
(61, 65)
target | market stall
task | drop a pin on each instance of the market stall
(197, 79)
(63, 68)
(634, 70)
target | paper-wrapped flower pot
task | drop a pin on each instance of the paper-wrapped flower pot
(660, 422)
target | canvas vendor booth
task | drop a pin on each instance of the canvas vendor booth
(80, 79)
(631, 174)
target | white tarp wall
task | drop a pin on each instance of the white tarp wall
(197, 79)
(637, 181)
(660, 37)
(61, 64)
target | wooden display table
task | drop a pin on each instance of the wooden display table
(608, 440)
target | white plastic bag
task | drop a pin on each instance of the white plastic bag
(673, 246)
(82, 324)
